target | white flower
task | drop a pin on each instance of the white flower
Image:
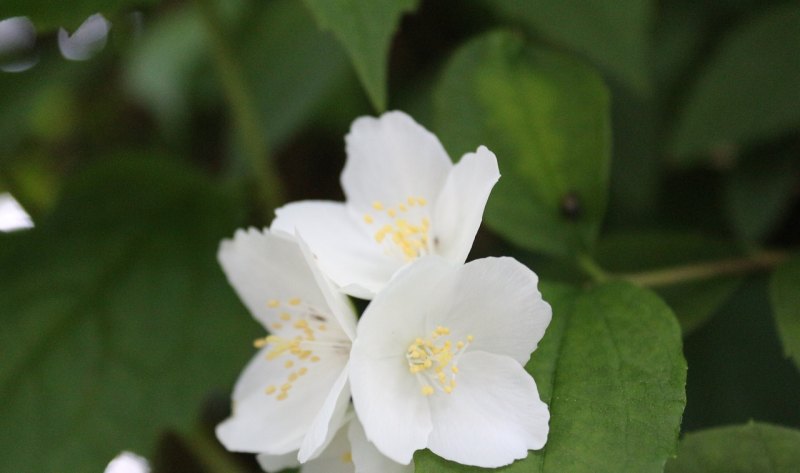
(17, 44)
(348, 452)
(405, 199)
(12, 215)
(438, 362)
(89, 39)
(293, 395)
(127, 462)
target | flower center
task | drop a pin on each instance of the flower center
(402, 229)
(435, 359)
(301, 326)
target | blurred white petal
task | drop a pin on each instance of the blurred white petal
(17, 44)
(127, 462)
(12, 215)
(87, 40)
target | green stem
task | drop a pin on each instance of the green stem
(246, 117)
(209, 454)
(591, 268)
(760, 261)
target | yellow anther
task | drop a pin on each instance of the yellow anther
(301, 324)
(419, 341)
(288, 364)
(391, 213)
(470, 338)
(427, 390)
(421, 201)
(260, 342)
(402, 208)
(294, 301)
(285, 317)
(293, 377)
(281, 396)
(427, 363)
(302, 371)
(273, 303)
(322, 327)
(448, 389)
(347, 457)
(460, 345)
(314, 359)
(270, 389)
(368, 219)
(377, 205)
(286, 387)
(277, 326)
(454, 369)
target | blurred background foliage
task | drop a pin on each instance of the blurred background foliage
(657, 140)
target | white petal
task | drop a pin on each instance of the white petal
(459, 207)
(276, 463)
(336, 458)
(269, 270)
(493, 417)
(87, 40)
(496, 301)
(386, 396)
(17, 44)
(127, 462)
(328, 421)
(390, 159)
(261, 423)
(367, 458)
(12, 215)
(346, 253)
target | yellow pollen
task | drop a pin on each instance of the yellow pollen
(402, 208)
(286, 387)
(391, 213)
(347, 457)
(277, 326)
(273, 303)
(288, 364)
(314, 359)
(285, 317)
(470, 338)
(302, 371)
(434, 358)
(460, 345)
(448, 389)
(322, 327)
(368, 219)
(301, 324)
(377, 205)
(270, 389)
(281, 396)
(294, 301)
(293, 377)
(427, 390)
(454, 369)
(421, 201)
(260, 342)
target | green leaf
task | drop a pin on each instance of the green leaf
(614, 35)
(752, 448)
(693, 302)
(749, 89)
(759, 192)
(365, 28)
(117, 321)
(785, 297)
(48, 15)
(546, 117)
(612, 371)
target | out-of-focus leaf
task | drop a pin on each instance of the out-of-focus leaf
(759, 191)
(612, 371)
(48, 15)
(749, 89)
(546, 117)
(693, 302)
(291, 65)
(614, 35)
(785, 296)
(752, 448)
(116, 318)
(365, 28)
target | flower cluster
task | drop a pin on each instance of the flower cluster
(437, 358)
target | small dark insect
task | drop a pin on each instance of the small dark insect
(571, 207)
(318, 317)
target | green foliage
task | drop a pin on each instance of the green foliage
(365, 28)
(117, 322)
(693, 301)
(751, 448)
(545, 116)
(614, 35)
(748, 91)
(785, 295)
(611, 369)
(48, 15)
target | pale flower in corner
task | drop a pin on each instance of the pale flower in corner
(438, 363)
(127, 462)
(405, 199)
(293, 395)
(348, 452)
